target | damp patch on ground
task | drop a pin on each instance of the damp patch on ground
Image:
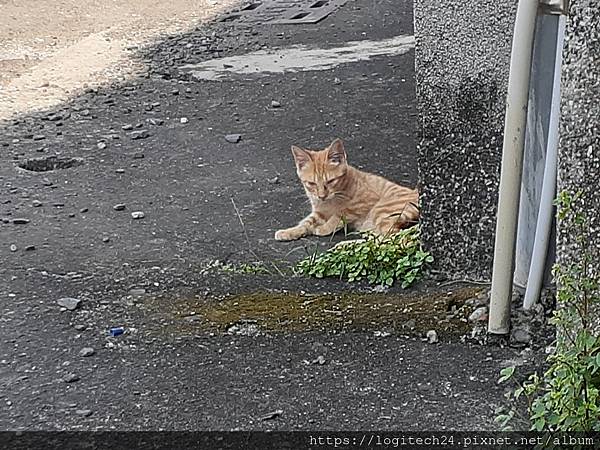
(299, 58)
(267, 312)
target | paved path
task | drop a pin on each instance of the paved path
(157, 145)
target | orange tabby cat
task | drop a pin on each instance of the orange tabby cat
(340, 194)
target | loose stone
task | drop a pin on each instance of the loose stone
(70, 303)
(86, 351)
(432, 337)
(141, 134)
(70, 378)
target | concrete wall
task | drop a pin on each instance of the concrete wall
(462, 58)
(579, 151)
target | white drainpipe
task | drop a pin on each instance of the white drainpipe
(512, 166)
(544, 222)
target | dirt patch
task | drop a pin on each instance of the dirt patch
(51, 50)
(286, 312)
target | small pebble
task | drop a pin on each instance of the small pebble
(30, 248)
(105, 239)
(184, 120)
(79, 327)
(137, 215)
(119, 207)
(83, 210)
(70, 303)
(101, 145)
(70, 378)
(141, 134)
(275, 104)
(521, 336)
(20, 221)
(233, 138)
(432, 337)
(13, 248)
(86, 351)
(479, 314)
(36, 203)
(83, 412)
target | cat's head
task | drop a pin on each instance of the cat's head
(322, 172)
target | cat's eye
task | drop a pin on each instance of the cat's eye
(330, 182)
(310, 184)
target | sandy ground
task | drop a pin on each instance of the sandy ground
(51, 49)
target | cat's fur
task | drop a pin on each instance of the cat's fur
(343, 195)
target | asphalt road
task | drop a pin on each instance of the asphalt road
(157, 145)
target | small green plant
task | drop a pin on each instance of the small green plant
(566, 397)
(377, 259)
(238, 269)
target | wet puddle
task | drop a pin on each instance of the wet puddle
(297, 58)
(445, 312)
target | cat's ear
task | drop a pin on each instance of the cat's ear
(336, 153)
(301, 156)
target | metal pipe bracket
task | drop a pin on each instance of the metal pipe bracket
(554, 7)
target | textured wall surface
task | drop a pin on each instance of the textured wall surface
(462, 59)
(579, 152)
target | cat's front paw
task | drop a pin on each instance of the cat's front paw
(286, 235)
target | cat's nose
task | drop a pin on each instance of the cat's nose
(322, 197)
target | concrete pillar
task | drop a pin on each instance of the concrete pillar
(579, 151)
(462, 56)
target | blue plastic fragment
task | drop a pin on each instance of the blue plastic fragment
(117, 331)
